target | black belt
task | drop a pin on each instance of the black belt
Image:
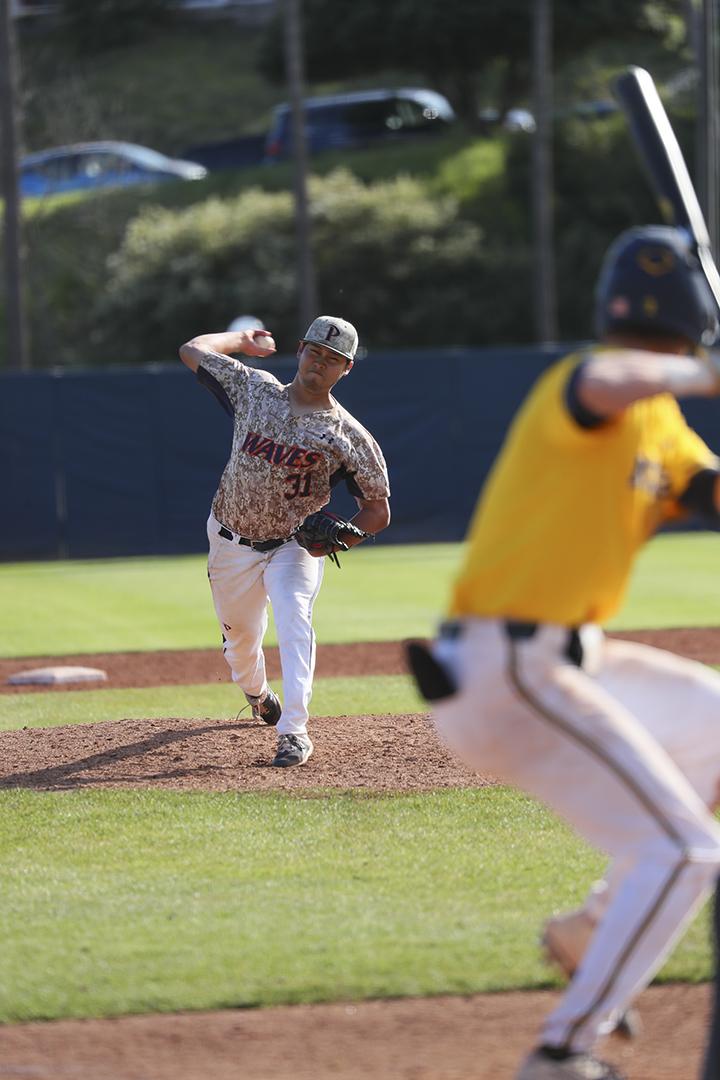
(522, 631)
(256, 545)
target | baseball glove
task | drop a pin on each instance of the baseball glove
(324, 533)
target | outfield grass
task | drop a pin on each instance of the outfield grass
(381, 594)
(121, 902)
(676, 583)
(116, 605)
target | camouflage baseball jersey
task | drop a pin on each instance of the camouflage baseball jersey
(284, 467)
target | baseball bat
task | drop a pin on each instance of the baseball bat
(665, 165)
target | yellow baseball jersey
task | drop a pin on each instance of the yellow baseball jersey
(566, 508)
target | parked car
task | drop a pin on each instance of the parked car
(358, 119)
(519, 120)
(23, 8)
(594, 110)
(523, 120)
(512, 120)
(100, 164)
(236, 153)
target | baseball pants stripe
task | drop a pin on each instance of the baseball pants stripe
(526, 715)
(598, 1005)
(692, 742)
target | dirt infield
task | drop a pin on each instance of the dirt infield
(444, 1038)
(480, 1037)
(188, 666)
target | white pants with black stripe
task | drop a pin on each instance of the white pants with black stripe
(627, 750)
(243, 583)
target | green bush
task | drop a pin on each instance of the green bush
(443, 257)
(600, 189)
(400, 263)
(95, 25)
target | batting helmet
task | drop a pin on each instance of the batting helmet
(651, 282)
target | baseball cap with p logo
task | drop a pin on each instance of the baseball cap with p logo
(336, 334)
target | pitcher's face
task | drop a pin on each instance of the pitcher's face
(320, 368)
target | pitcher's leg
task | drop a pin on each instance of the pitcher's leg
(236, 582)
(293, 579)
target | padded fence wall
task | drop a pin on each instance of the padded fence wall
(125, 461)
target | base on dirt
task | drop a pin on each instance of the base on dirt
(58, 674)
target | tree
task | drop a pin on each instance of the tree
(464, 48)
(12, 242)
(94, 25)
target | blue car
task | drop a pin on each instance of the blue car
(359, 119)
(100, 164)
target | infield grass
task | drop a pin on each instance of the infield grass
(381, 594)
(122, 902)
(331, 697)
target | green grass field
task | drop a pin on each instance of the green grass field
(381, 594)
(129, 901)
(332, 697)
(126, 902)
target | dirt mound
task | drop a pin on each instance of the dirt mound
(373, 753)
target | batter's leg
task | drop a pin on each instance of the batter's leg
(293, 579)
(526, 716)
(235, 573)
(678, 701)
(711, 1065)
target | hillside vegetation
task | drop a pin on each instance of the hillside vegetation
(144, 266)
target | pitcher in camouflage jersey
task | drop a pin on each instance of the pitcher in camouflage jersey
(291, 445)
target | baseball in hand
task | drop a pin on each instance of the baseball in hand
(264, 340)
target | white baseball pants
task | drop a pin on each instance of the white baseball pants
(627, 750)
(243, 582)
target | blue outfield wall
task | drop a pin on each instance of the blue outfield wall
(124, 461)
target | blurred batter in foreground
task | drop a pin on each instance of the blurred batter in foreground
(621, 740)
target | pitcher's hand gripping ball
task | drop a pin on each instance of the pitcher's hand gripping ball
(324, 533)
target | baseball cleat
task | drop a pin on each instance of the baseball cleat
(292, 750)
(269, 710)
(564, 941)
(547, 1063)
(629, 1024)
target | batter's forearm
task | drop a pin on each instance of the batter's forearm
(610, 383)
